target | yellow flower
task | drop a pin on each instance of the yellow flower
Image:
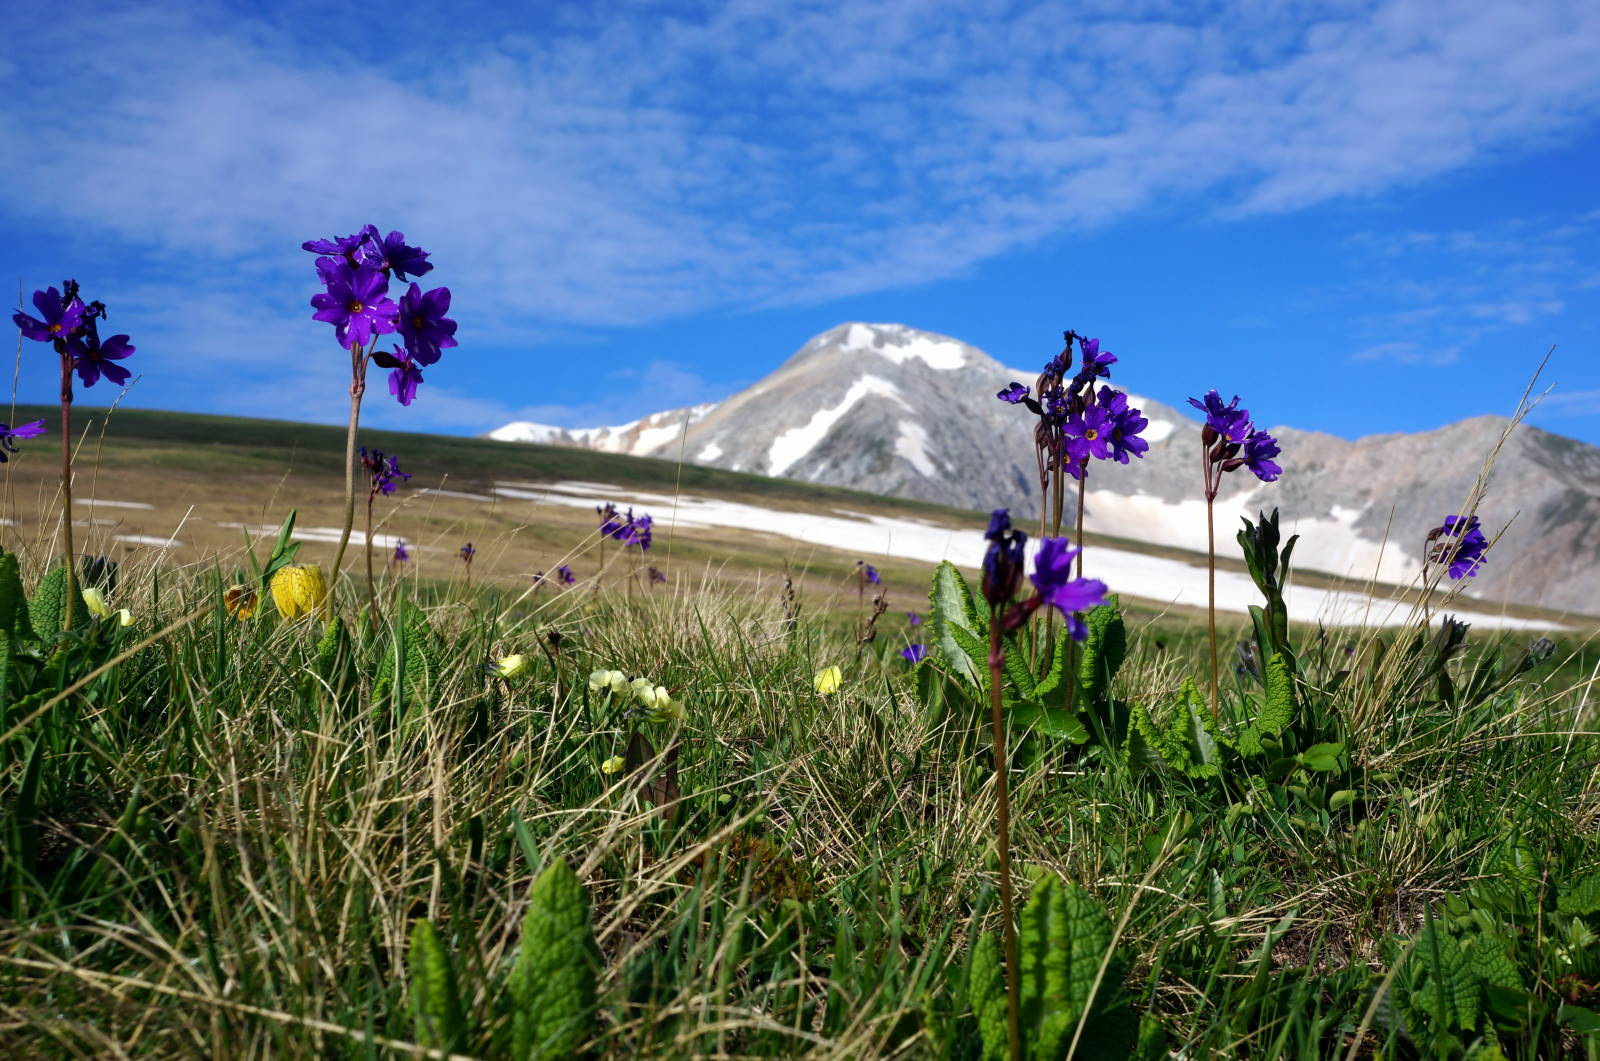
(509, 666)
(612, 765)
(96, 602)
(124, 617)
(827, 680)
(240, 601)
(643, 691)
(299, 591)
(614, 680)
(658, 702)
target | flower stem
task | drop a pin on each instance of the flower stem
(1211, 601)
(1003, 816)
(358, 386)
(67, 552)
(1083, 483)
(372, 599)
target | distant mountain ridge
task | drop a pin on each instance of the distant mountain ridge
(894, 410)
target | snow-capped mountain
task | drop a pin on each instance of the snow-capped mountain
(893, 410)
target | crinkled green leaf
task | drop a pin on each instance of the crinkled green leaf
(986, 994)
(553, 983)
(1101, 653)
(951, 610)
(47, 607)
(435, 1000)
(13, 600)
(1051, 721)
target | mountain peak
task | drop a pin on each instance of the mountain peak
(897, 343)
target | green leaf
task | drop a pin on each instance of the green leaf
(435, 1000)
(951, 610)
(1278, 707)
(1322, 757)
(283, 550)
(47, 607)
(986, 994)
(1051, 721)
(13, 600)
(1581, 1020)
(1582, 898)
(552, 987)
(1064, 938)
(413, 653)
(1101, 654)
(1017, 672)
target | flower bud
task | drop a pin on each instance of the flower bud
(299, 591)
(1002, 565)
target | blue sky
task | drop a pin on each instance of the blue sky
(1364, 217)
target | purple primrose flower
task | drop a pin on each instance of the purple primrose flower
(1126, 424)
(92, 358)
(467, 552)
(1094, 363)
(1464, 555)
(404, 379)
(914, 653)
(422, 322)
(913, 619)
(565, 575)
(1052, 576)
(1259, 449)
(869, 574)
(391, 253)
(657, 575)
(401, 554)
(1088, 435)
(1228, 421)
(58, 319)
(385, 471)
(1013, 394)
(9, 435)
(1003, 562)
(356, 303)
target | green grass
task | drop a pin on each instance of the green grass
(222, 845)
(250, 838)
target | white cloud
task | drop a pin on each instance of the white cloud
(621, 168)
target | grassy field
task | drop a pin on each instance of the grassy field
(347, 837)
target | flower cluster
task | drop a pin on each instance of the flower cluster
(384, 471)
(1052, 577)
(401, 553)
(1460, 543)
(355, 271)
(1232, 441)
(629, 530)
(1078, 419)
(655, 701)
(69, 324)
(868, 574)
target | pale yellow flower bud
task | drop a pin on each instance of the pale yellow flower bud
(96, 602)
(124, 617)
(827, 680)
(509, 666)
(299, 591)
(612, 765)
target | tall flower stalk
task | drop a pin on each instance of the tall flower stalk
(68, 325)
(355, 271)
(1228, 441)
(1053, 586)
(1079, 419)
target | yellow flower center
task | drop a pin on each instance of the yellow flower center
(55, 327)
(1091, 434)
(356, 307)
(416, 322)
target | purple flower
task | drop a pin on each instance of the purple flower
(868, 573)
(1003, 563)
(391, 253)
(1259, 449)
(91, 358)
(564, 573)
(913, 619)
(1052, 576)
(1126, 423)
(354, 249)
(1228, 421)
(914, 653)
(1013, 394)
(404, 380)
(401, 555)
(9, 435)
(1088, 435)
(423, 324)
(356, 304)
(637, 532)
(1094, 363)
(467, 553)
(1465, 555)
(657, 576)
(58, 317)
(385, 471)
(611, 523)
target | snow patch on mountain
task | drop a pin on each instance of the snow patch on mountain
(900, 344)
(912, 444)
(792, 445)
(528, 431)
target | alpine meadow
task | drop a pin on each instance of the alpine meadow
(485, 775)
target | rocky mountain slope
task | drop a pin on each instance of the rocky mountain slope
(894, 410)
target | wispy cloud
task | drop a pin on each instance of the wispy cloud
(1408, 353)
